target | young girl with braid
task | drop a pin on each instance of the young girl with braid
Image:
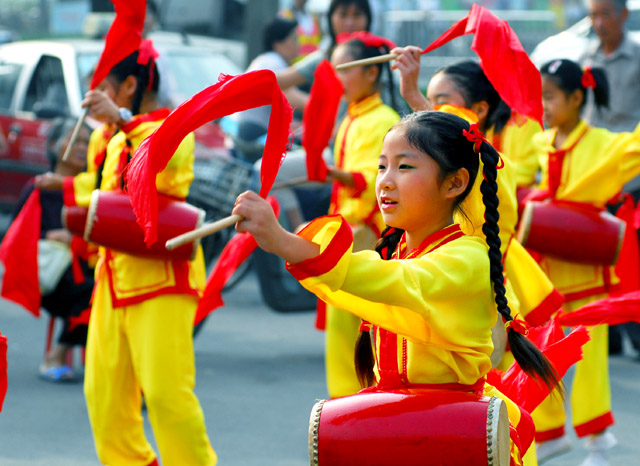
(140, 330)
(357, 146)
(429, 290)
(587, 166)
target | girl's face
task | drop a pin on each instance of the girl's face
(410, 194)
(442, 90)
(289, 47)
(118, 92)
(348, 18)
(359, 81)
(558, 107)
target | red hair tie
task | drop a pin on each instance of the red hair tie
(517, 325)
(474, 135)
(588, 81)
(368, 39)
(365, 326)
(147, 53)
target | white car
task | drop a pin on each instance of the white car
(573, 42)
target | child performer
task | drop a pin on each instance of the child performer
(432, 299)
(357, 146)
(140, 332)
(588, 166)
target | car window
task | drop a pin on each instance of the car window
(9, 73)
(86, 62)
(46, 91)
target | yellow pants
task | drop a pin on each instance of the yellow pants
(590, 391)
(147, 349)
(341, 333)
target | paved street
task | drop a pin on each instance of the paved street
(258, 375)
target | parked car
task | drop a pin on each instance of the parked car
(42, 80)
(573, 42)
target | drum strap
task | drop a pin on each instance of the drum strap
(556, 160)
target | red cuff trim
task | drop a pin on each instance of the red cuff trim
(68, 193)
(326, 260)
(596, 425)
(360, 184)
(547, 435)
(543, 311)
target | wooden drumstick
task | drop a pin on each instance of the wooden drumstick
(367, 61)
(204, 230)
(74, 135)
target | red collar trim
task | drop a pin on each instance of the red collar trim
(156, 115)
(437, 239)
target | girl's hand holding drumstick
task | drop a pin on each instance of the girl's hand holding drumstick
(408, 62)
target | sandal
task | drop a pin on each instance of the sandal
(57, 374)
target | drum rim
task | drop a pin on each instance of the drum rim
(314, 425)
(498, 449)
(525, 223)
(621, 232)
(91, 213)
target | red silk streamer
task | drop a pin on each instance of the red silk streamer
(368, 39)
(3, 369)
(474, 135)
(613, 311)
(229, 95)
(319, 118)
(19, 254)
(587, 80)
(517, 325)
(502, 58)
(123, 38)
(236, 251)
(528, 392)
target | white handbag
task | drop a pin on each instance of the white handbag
(54, 258)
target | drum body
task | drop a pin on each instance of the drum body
(571, 232)
(410, 427)
(110, 222)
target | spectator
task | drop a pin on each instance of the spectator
(309, 29)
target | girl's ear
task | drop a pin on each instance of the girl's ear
(576, 98)
(456, 183)
(481, 109)
(129, 86)
(371, 73)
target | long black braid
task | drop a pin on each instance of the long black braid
(440, 136)
(528, 356)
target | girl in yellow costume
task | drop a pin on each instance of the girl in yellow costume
(140, 332)
(432, 296)
(584, 165)
(357, 146)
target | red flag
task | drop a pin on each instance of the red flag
(528, 392)
(123, 38)
(3, 368)
(614, 310)
(502, 58)
(229, 95)
(319, 118)
(628, 267)
(19, 254)
(237, 250)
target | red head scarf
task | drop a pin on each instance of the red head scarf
(229, 95)
(368, 39)
(502, 58)
(123, 38)
(319, 117)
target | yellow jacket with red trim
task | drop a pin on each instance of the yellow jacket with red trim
(448, 330)
(134, 279)
(358, 145)
(593, 172)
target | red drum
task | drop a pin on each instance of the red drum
(571, 232)
(110, 222)
(410, 427)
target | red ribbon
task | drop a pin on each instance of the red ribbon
(517, 325)
(368, 39)
(588, 81)
(147, 53)
(474, 135)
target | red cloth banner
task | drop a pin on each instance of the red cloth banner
(319, 118)
(229, 95)
(502, 58)
(123, 37)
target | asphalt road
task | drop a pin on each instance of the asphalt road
(258, 374)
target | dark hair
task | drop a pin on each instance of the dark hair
(567, 75)
(474, 86)
(277, 30)
(358, 51)
(439, 135)
(362, 5)
(129, 66)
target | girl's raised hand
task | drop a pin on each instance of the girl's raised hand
(408, 62)
(261, 222)
(102, 107)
